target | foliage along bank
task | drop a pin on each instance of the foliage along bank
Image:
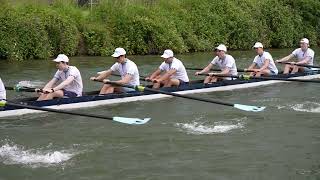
(148, 27)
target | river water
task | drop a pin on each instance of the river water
(185, 139)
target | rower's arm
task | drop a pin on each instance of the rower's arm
(126, 79)
(206, 69)
(155, 74)
(168, 74)
(265, 65)
(225, 71)
(252, 66)
(64, 83)
(50, 83)
(104, 75)
(304, 61)
(285, 59)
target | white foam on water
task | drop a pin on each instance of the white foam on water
(218, 127)
(307, 106)
(14, 154)
(32, 84)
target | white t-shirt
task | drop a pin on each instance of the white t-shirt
(300, 55)
(176, 64)
(76, 85)
(2, 91)
(260, 60)
(227, 62)
(128, 67)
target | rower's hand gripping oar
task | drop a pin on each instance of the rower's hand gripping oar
(238, 106)
(134, 121)
(247, 77)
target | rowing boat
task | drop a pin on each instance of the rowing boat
(93, 99)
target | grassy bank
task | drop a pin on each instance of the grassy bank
(39, 30)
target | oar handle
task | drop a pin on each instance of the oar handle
(142, 78)
(247, 77)
(239, 70)
(302, 65)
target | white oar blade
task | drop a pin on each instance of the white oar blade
(249, 108)
(131, 120)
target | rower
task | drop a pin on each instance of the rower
(170, 73)
(305, 56)
(224, 61)
(263, 63)
(66, 82)
(125, 67)
(2, 91)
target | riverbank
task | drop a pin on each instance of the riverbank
(40, 31)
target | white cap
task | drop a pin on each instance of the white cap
(61, 57)
(258, 45)
(304, 40)
(221, 47)
(167, 54)
(118, 52)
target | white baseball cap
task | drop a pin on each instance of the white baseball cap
(258, 45)
(61, 58)
(304, 40)
(221, 47)
(118, 52)
(167, 54)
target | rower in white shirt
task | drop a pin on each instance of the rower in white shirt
(305, 56)
(126, 68)
(170, 73)
(263, 63)
(2, 91)
(67, 81)
(224, 61)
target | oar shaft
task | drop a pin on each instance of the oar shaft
(57, 111)
(302, 65)
(199, 69)
(246, 77)
(142, 78)
(115, 118)
(141, 88)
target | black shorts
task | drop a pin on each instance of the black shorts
(69, 93)
(182, 83)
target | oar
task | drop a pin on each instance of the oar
(247, 77)
(199, 69)
(302, 65)
(239, 70)
(142, 78)
(115, 118)
(238, 106)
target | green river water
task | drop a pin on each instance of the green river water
(185, 139)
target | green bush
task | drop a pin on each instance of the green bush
(149, 26)
(22, 36)
(97, 40)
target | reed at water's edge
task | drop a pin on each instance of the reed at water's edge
(38, 31)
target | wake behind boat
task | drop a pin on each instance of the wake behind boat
(92, 100)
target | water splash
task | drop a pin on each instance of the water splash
(308, 106)
(201, 128)
(15, 154)
(31, 84)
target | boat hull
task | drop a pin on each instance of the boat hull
(96, 100)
